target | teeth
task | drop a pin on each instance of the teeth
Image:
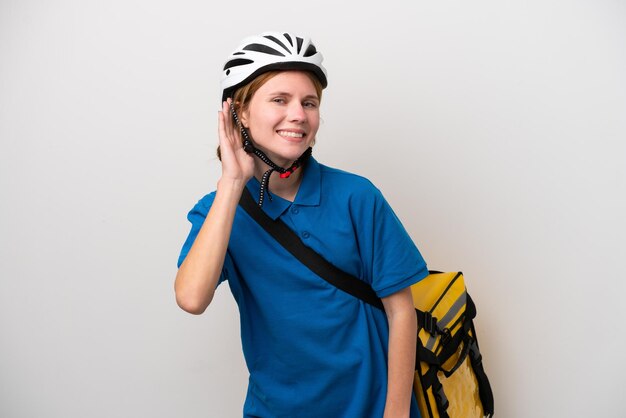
(291, 134)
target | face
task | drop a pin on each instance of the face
(283, 116)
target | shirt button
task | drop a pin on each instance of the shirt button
(294, 210)
(306, 235)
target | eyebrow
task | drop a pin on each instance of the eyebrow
(284, 93)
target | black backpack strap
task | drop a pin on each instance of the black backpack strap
(484, 387)
(307, 256)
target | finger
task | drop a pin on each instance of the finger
(229, 129)
(221, 125)
(232, 126)
(228, 135)
(226, 111)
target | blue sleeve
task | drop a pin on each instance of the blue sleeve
(196, 217)
(396, 263)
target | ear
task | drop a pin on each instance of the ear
(243, 118)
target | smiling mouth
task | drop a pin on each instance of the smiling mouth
(290, 134)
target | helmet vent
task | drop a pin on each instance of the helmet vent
(263, 48)
(299, 41)
(237, 62)
(286, 35)
(310, 51)
(271, 38)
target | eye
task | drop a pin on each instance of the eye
(278, 100)
(310, 104)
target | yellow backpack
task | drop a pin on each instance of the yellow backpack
(450, 380)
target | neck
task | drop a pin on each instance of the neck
(268, 168)
(287, 188)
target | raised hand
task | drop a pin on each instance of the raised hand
(237, 164)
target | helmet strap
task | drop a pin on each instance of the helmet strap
(284, 172)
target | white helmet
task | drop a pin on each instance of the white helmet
(270, 51)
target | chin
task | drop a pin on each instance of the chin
(290, 154)
(295, 155)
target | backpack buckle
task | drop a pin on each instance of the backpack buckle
(475, 355)
(430, 324)
(446, 336)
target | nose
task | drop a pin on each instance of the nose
(296, 112)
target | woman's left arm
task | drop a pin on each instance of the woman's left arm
(402, 345)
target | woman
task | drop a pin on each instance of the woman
(311, 349)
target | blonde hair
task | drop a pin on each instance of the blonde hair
(243, 95)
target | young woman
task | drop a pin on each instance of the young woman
(311, 349)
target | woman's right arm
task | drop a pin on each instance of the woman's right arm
(199, 273)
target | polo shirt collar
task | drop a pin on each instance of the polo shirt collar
(308, 193)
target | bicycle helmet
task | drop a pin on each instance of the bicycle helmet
(270, 51)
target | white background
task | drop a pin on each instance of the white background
(495, 129)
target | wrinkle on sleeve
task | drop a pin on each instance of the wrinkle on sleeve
(396, 261)
(196, 217)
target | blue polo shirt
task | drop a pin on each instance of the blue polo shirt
(311, 349)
